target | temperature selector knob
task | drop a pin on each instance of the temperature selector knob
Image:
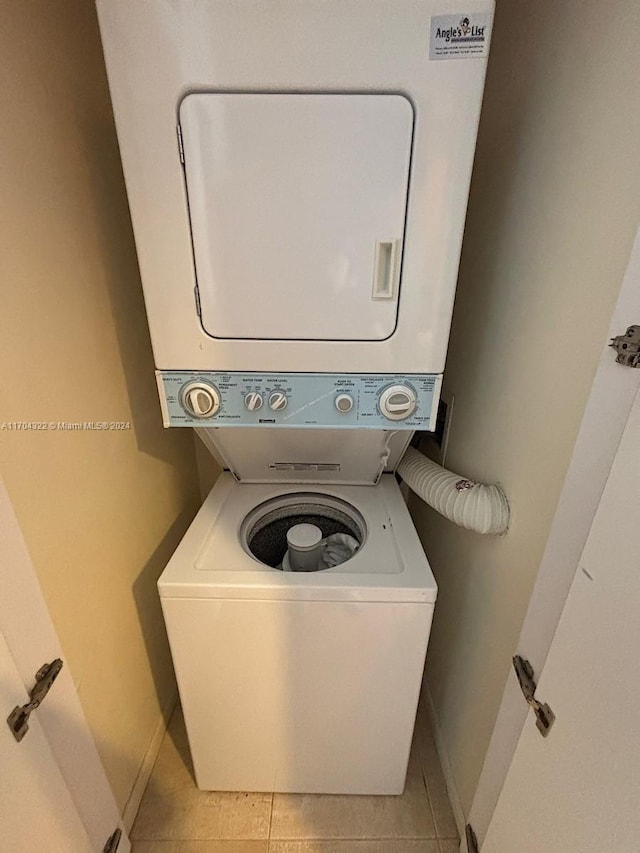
(200, 399)
(398, 402)
(278, 401)
(253, 401)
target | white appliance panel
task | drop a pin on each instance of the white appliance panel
(349, 457)
(160, 51)
(294, 696)
(298, 400)
(299, 681)
(297, 208)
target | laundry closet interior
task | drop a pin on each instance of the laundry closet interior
(261, 211)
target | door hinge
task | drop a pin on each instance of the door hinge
(472, 841)
(18, 719)
(628, 347)
(113, 842)
(180, 145)
(545, 717)
(198, 305)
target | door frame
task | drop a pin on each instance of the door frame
(30, 635)
(610, 400)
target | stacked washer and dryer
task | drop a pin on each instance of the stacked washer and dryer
(297, 172)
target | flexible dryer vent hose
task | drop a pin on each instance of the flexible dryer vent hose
(468, 504)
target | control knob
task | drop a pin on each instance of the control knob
(398, 402)
(253, 401)
(278, 401)
(344, 403)
(200, 399)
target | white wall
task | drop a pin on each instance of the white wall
(208, 467)
(101, 511)
(554, 205)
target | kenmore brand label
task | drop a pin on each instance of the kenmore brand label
(463, 36)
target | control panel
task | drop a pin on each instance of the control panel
(374, 401)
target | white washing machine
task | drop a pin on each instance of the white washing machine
(299, 681)
(297, 175)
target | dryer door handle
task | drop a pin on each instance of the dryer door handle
(386, 270)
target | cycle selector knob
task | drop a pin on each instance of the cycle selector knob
(398, 402)
(278, 401)
(344, 403)
(253, 401)
(200, 399)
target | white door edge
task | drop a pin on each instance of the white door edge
(31, 638)
(578, 789)
(610, 401)
(37, 807)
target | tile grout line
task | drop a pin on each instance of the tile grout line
(431, 809)
(300, 839)
(438, 836)
(428, 786)
(270, 823)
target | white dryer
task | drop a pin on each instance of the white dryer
(299, 681)
(297, 175)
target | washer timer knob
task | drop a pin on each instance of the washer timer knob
(278, 401)
(253, 401)
(398, 402)
(200, 399)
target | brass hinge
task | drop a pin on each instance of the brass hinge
(18, 719)
(545, 717)
(628, 347)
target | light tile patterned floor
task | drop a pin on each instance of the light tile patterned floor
(175, 817)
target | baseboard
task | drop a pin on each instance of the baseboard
(146, 767)
(445, 763)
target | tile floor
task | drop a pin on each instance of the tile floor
(175, 817)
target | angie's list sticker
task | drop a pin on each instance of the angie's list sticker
(463, 36)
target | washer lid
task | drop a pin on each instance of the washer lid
(350, 457)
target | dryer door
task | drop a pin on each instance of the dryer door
(297, 207)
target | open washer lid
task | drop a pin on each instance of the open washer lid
(331, 456)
